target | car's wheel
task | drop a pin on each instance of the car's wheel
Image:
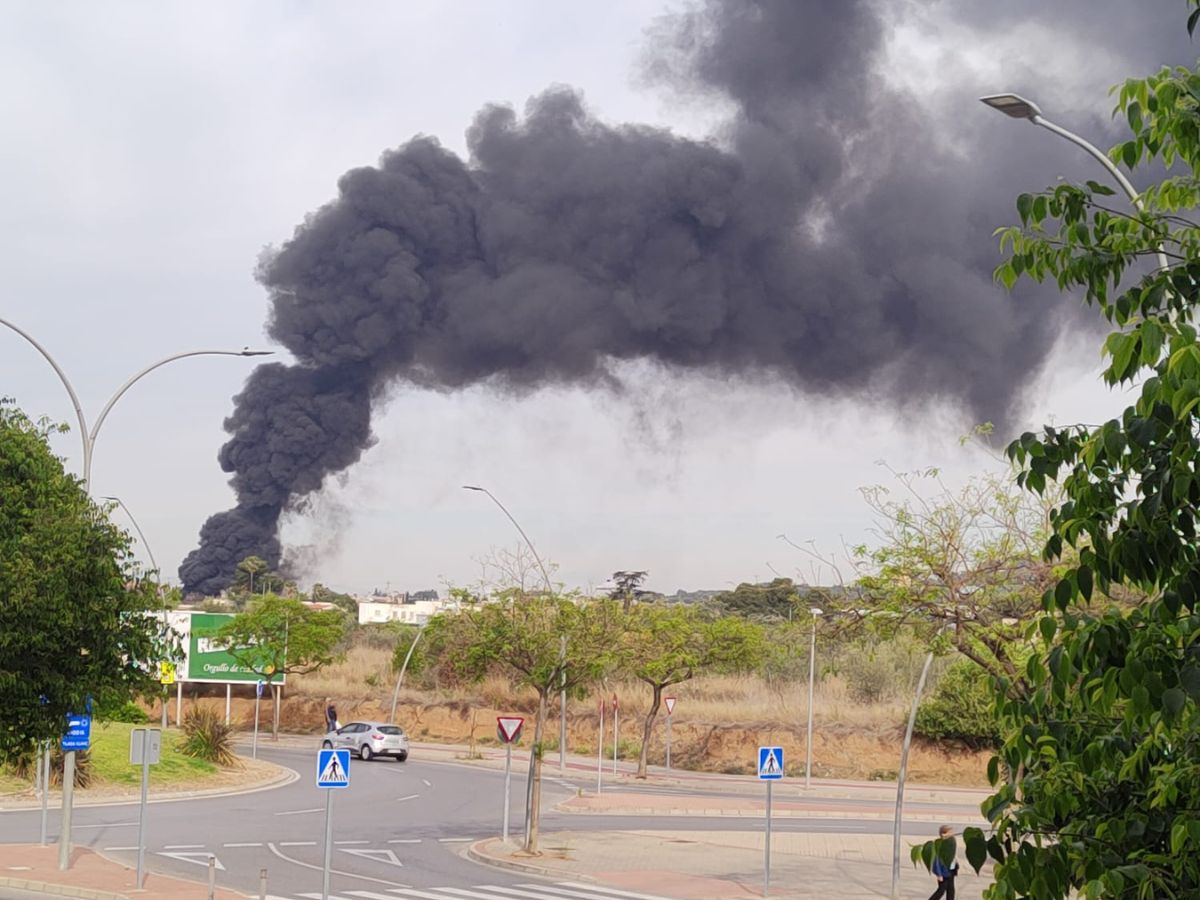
(327, 745)
(364, 752)
(402, 756)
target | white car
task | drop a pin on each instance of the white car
(370, 739)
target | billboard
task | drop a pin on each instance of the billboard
(206, 659)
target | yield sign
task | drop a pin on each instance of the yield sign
(383, 856)
(198, 859)
(509, 727)
(670, 701)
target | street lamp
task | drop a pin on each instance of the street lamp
(88, 437)
(812, 671)
(1017, 107)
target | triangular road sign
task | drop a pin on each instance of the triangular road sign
(509, 727)
(670, 701)
(383, 856)
(199, 858)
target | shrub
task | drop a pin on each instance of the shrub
(24, 765)
(207, 737)
(960, 708)
(122, 712)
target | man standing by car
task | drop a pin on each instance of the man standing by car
(331, 718)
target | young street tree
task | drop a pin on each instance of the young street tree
(1107, 741)
(520, 634)
(281, 636)
(665, 645)
(73, 621)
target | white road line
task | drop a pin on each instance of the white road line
(398, 799)
(259, 844)
(486, 892)
(297, 843)
(425, 781)
(110, 825)
(120, 848)
(633, 895)
(423, 895)
(341, 843)
(405, 841)
(300, 812)
(298, 862)
(455, 840)
(317, 896)
(183, 846)
(371, 895)
(547, 892)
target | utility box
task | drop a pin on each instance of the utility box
(145, 744)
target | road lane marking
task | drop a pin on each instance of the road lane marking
(196, 859)
(387, 857)
(109, 825)
(632, 895)
(425, 781)
(398, 799)
(251, 844)
(508, 893)
(405, 841)
(120, 848)
(297, 844)
(454, 840)
(183, 846)
(299, 862)
(352, 842)
(300, 812)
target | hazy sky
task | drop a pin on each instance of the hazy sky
(151, 152)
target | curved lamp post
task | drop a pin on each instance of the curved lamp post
(1017, 107)
(88, 437)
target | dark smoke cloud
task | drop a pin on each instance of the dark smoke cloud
(829, 237)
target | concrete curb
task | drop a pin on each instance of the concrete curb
(711, 813)
(475, 853)
(59, 890)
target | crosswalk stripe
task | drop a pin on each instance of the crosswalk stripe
(632, 895)
(423, 895)
(492, 892)
(561, 892)
(370, 895)
(317, 896)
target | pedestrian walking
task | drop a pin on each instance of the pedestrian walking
(331, 719)
(945, 874)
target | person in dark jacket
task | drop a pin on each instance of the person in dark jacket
(944, 874)
(330, 715)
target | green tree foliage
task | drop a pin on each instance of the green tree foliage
(961, 708)
(627, 587)
(278, 636)
(520, 634)
(72, 622)
(665, 645)
(773, 600)
(405, 636)
(1104, 740)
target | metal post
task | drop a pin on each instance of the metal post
(64, 837)
(507, 782)
(328, 844)
(908, 733)
(257, 698)
(562, 707)
(616, 731)
(179, 703)
(812, 671)
(262, 884)
(141, 856)
(228, 701)
(165, 700)
(44, 767)
(668, 742)
(212, 876)
(767, 847)
(600, 751)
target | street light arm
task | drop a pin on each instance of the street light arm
(140, 534)
(1099, 155)
(520, 530)
(87, 474)
(62, 376)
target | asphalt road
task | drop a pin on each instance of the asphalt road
(398, 826)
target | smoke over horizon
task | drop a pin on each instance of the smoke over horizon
(826, 238)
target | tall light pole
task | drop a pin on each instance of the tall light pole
(1017, 107)
(562, 657)
(812, 671)
(88, 437)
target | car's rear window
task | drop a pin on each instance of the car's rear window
(391, 729)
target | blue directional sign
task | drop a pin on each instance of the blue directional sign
(333, 768)
(770, 763)
(79, 733)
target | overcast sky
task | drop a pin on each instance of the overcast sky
(151, 152)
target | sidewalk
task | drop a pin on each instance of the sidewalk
(31, 867)
(727, 865)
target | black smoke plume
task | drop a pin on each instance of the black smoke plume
(836, 236)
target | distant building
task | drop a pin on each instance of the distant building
(372, 612)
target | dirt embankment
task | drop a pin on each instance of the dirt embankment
(839, 750)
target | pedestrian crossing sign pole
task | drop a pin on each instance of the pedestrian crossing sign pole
(333, 771)
(770, 769)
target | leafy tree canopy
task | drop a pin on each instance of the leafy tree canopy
(73, 623)
(282, 636)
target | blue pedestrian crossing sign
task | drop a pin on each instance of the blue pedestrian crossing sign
(333, 768)
(770, 763)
